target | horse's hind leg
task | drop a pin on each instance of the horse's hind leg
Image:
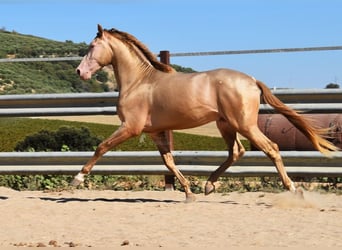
(258, 139)
(163, 145)
(236, 150)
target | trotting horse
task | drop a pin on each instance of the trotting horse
(154, 98)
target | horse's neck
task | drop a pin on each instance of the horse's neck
(130, 69)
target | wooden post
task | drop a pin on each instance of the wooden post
(165, 57)
(169, 179)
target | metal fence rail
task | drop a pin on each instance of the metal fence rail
(58, 104)
(311, 101)
(306, 163)
(190, 162)
(182, 54)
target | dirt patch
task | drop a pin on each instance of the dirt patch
(84, 218)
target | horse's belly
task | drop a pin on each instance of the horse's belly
(178, 121)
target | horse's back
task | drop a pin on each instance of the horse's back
(206, 88)
(232, 84)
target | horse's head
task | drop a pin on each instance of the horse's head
(98, 56)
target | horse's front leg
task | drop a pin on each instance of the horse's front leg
(163, 145)
(119, 136)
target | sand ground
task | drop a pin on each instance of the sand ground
(149, 219)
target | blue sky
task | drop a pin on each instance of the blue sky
(198, 25)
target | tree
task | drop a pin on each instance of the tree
(182, 69)
(332, 86)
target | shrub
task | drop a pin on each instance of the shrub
(64, 139)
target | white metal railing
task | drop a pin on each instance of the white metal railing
(190, 162)
(305, 163)
(311, 101)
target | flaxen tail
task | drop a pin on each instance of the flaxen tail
(313, 134)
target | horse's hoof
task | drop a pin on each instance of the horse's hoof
(209, 188)
(79, 178)
(299, 193)
(75, 182)
(190, 198)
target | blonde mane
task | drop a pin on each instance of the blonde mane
(132, 42)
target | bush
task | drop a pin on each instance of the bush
(102, 76)
(66, 138)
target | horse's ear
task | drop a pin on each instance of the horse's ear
(100, 30)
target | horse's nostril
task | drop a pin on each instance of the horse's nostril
(78, 72)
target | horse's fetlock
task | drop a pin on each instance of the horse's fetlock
(292, 187)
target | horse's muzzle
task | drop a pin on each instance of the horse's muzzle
(84, 75)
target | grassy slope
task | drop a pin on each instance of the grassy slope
(31, 46)
(41, 77)
(47, 77)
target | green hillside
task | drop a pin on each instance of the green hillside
(24, 46)
(48, 77)
(43, 77)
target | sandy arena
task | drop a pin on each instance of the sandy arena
(147, 219)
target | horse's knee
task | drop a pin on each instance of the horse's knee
(103, 147)
(168, 160)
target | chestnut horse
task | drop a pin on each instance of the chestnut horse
(154, 99)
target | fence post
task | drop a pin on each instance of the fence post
(169, 179)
